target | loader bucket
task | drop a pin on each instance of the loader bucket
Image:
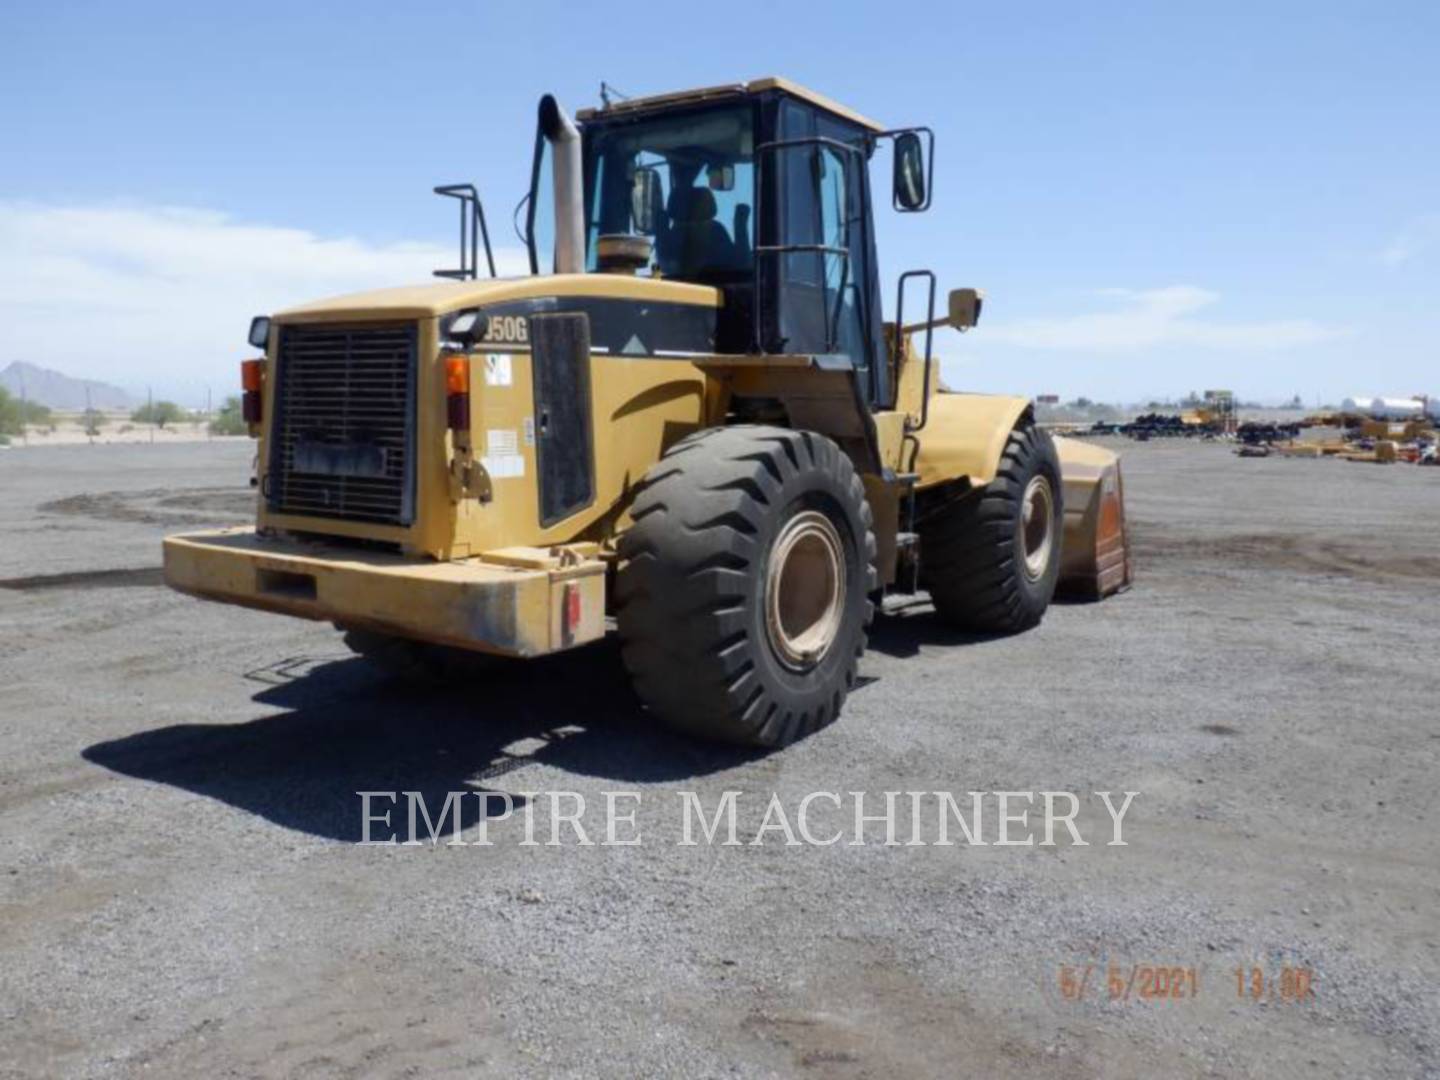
(1095, 559)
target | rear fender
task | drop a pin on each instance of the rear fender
(964, 437)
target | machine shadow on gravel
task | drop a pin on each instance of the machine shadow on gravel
(901, 632)
(349, 729)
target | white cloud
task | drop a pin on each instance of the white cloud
(1147, 318)
(1418, 235)
(163, 294)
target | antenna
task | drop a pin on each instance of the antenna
(608, 94)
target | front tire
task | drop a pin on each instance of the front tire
(743, 586)
(991, 561)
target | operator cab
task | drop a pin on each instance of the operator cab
(761, 190)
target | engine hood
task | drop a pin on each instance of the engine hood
(432, 300)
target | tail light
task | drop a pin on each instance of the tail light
(457, 392)
(572, 613)
(252, 382)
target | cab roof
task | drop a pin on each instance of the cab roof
(711, 93)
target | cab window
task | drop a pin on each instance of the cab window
(822, 213)
(703, 164)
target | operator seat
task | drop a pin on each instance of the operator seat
(696, 242)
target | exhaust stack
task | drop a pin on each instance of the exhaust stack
(564, 139)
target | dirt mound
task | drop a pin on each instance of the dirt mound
(160, 506)
(1290, 553)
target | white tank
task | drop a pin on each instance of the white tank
(1386, 408)
(1391, 408)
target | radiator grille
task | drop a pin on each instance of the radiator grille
(343, 437)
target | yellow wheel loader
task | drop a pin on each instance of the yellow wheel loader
(690, 422)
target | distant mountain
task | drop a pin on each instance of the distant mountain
(61, 391)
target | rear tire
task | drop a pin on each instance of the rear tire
(420, 662)
(743, 587)
(992, 560)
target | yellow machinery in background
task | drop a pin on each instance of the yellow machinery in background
(690, 421)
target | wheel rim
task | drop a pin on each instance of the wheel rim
(805, 589)
(1036, 528)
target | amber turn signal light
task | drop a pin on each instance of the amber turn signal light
(252, 375)
(457, 392)
(252, 381)
(457, 375)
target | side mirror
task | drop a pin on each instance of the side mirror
(260, 331)
(910, 174)
(645, 200)
(720, 177)
(965, 307)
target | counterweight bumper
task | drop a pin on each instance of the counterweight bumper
(516, 601)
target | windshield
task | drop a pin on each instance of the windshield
(698, 168)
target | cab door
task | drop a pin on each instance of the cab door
(819, 268)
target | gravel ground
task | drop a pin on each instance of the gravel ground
(182, 893)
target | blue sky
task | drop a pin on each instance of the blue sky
(1156, 198)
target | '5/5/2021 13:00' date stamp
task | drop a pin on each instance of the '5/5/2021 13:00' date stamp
(1184, 982)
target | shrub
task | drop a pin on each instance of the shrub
(158, 413)
(9, 414)
(229, 420)
(16, 415)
